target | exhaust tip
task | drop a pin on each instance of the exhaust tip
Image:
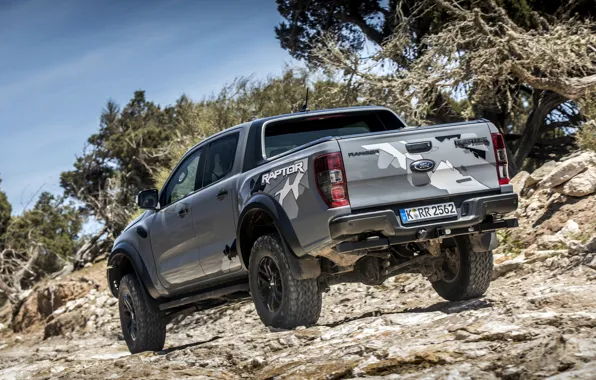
(422, 233)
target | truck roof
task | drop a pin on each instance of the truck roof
(261, 121)
(324, 111)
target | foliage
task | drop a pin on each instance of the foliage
(5, 210)
(522, 64)
(351, 22)
(586, 135)
(121, 159)
(38, 242)
(52, 222)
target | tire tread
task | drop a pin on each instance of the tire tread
(474, 277)
(303, 307)
(151, 329)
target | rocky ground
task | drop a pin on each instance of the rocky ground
(538, 319)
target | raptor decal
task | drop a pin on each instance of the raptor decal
(297, 167)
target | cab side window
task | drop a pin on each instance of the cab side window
(185, 180)
(220, 158)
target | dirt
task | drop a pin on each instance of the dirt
(538, 322)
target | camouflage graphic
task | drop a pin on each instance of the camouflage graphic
(285, 181)
(230, 264)
(450, 172)
(463, 163)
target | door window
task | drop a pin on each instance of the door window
(220, 158)
(185, 180)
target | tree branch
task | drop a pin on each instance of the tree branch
(571, 88)
(370, 32)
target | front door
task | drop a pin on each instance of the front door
(215, 220)
(173, 238)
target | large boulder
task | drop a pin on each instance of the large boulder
(519, 181)
(551, 242)
(27, 316)
(569, 230)
(566, 170)
(43, 302)
(581, 185)
(538, 174)
(64, 323)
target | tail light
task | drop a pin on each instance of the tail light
(331, 180)
(501, 158)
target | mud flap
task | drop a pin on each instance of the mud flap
(304, 267)
(484, 242)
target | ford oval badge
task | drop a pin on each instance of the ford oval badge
(422, 165)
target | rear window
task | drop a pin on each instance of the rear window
(288, 134)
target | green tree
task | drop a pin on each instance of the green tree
(53, 223)
(5, 210)
(120, 160)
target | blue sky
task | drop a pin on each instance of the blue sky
(61, 60)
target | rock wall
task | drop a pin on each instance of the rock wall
(44, 302)
(556, 216)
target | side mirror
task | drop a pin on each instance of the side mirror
(148, 199)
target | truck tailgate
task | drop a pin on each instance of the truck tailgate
(418, 164)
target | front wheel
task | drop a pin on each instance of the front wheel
(142, 329)
(465, 274)
(280, 300)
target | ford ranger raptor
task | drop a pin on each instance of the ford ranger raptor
(281, 208)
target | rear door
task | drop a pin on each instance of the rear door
(172, 234)
(214, 217)
(418, 163)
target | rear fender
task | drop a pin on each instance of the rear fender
(301, 265)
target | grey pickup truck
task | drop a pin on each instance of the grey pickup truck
(279, 209)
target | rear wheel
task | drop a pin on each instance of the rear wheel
(280, 300)
(465, 274)
(142, 329)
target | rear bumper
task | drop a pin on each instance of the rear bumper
(472, 213)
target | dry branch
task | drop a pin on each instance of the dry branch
(479, 54)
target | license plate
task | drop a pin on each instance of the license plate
(415, 214)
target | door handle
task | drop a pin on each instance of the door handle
(182, 212)
(419, 147)
(222, 194)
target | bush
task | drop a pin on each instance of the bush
(586, 136)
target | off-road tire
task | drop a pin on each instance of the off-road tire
(474, 276)
(301, 300)
(151, 327)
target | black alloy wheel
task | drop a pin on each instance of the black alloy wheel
(270, 284)
(450, 264)
(466, 274)
(128, 316)
(142, 328)
(280, 299)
